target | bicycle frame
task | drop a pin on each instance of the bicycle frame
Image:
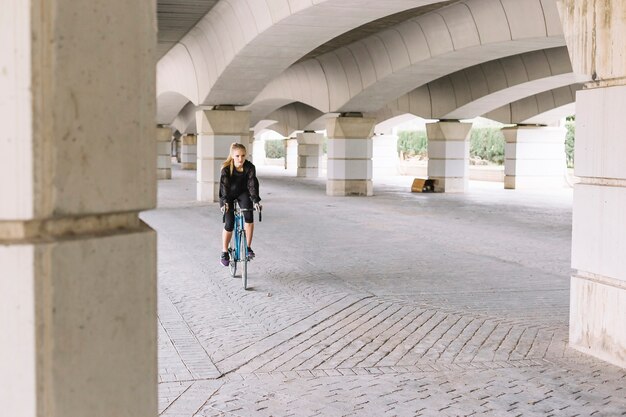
(238, 249)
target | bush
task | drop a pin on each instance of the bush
(487, 143)
(274, 148)
(412, 143)
(569, 143)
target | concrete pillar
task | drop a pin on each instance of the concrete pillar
(217, 129)
(385, 155)
(309, 154)
(596, 36)
(448, 155)
(189, 152)
(350, 156)
(291, 154)
(164, 156)
(250, 147)
(78, 266)
(534, 156)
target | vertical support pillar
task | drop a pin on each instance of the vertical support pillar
(350, 156)
(217, 129)
(189, 152)
(596, 36)
(385, 155)
(291, 154)
(534, 156)
(309, 154)
(78, 278)
(250, 147)
(164, 156)
(448, 155)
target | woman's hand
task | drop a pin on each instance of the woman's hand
(258, 207)
(224, 208)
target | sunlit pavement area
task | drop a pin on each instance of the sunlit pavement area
(401, 304)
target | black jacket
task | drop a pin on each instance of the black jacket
(229, 190)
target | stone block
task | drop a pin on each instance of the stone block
(223, 122)
(597, 311)
(449, 149)
(450, 184)
(218, 146)
(534, 168)
(350, 148)
(598, 225)
(96, 306)
(207, 191)
(448, 168)
(308, 161)
(600, 137)
(308, 172)
(209, 170)
(338, 188)
(350, 127)
(17, 318)
(349, 169)
(309, 138)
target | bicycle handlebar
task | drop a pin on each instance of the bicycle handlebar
(242, 210)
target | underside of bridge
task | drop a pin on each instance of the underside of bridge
(88, 89)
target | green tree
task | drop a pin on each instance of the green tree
(412, 143)
(274, 148)
(569, 141)
(487, 143)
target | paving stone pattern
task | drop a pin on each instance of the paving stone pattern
(396, 305)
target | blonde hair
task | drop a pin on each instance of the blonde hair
(229, 161)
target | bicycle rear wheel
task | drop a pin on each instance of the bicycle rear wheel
(243, 253)
(232, 266)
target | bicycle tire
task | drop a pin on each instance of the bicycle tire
(243, 252)
(232, 266)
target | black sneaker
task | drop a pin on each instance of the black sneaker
(250, 253)
(225, 259)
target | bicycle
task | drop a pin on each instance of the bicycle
(238, 246)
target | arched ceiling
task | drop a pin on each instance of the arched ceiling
(480, 89)
(365, 75)
(294, 60)
(175, 18)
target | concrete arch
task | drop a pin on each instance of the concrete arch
(176, 84)
(240, 45)
(482, 88)
(185, 122)
(367, 74)
(544, 108)
(295, 116)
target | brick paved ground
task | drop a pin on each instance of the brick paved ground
(396, 305)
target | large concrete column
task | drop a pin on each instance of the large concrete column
(385, 155)
(309, 154)
(189, 152)
(350, 156)
(595, 32)
(291, 153)
(448, 155)
(164, 156)
(217, 129)
(534, 156)
(77, 265)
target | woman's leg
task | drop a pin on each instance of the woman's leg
(226, 236)
(229, 225)
(246, 203)
(249, 228)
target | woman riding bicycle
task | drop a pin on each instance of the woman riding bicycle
(238, 181)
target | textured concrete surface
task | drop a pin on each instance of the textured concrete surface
(394, 305)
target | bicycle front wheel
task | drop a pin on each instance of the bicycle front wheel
(232, 266)
(243, 253)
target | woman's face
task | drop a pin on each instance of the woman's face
(239, 157)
